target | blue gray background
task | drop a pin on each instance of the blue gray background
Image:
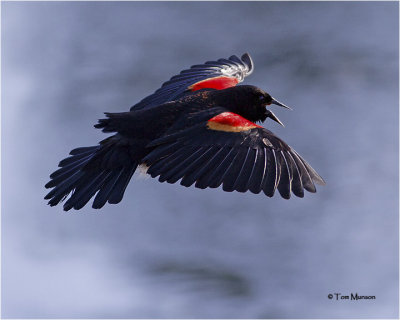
(168, 251)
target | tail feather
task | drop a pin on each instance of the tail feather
(105, 169)
(118, 192)
(73, 165)
(83, 150)
(63, 189)
(64, 173)
(85, 191)
(74, 158)
(104, 194)
(115, 122)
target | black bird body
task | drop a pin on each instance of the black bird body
(242, 100)
(199, 128)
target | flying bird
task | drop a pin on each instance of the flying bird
(200, 128)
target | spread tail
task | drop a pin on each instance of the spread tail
(105, 169)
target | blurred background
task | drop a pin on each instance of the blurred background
(172, 252)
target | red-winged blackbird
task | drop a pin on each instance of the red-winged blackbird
(198, 127)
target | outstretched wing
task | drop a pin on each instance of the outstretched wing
(232, 151)
(219, 74)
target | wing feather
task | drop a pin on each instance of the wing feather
(179, 85)
(203, 167)
(188, 178)
(285, 182)
(234, 170)
(180, 170)
(257, 174)
(210, 170)
(215, 180)
(305, 175)
(297, 185)
(241, 183)
(233, 152)
(271, 176)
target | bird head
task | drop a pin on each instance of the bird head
(248, 101)
(264, 99)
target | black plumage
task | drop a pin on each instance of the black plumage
(200, 129)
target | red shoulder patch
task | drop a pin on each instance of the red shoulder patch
(230, 122)
(218, 83)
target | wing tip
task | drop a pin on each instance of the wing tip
(319, 180)
(248, 61)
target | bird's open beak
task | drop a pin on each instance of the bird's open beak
(280, 104)
(269, 114)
